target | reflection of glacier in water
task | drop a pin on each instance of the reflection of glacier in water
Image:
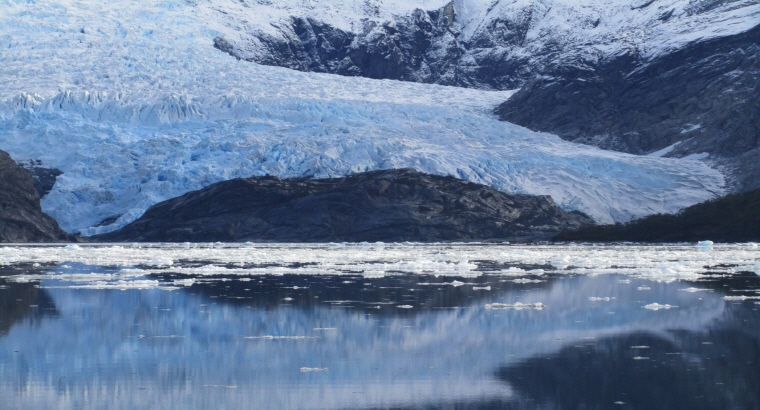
(334, 339)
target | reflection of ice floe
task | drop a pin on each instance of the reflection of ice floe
(313, 369)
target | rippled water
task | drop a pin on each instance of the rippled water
(365, 326)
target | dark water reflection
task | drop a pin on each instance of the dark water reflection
(405, 342)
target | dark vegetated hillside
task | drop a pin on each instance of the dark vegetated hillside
(733, 218)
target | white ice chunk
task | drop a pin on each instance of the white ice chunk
(657, 306)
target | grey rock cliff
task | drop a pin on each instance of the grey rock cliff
(393, 205)
(21, 217)
(705, 98)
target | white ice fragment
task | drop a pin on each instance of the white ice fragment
(657, 306)
(183, 282)
(287, 299)
(640, 358)
(313, 369)
(740, 297)
(693, 290)
(481, 288)
(516, 306)
(404, 306)
(705, 244)
(644, 288)
(601, 299)
(639, 347)
(270, 337)
(521, 280)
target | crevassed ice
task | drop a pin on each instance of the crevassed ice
(135, 106)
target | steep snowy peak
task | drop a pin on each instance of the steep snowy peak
(342, 14)
(649, 26)
(135, 106)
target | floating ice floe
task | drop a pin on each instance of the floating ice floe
(694, 290)
(313, 369)
(740, 297)
(705, 244)
(270, 337)
(516, 306)
(657, 306)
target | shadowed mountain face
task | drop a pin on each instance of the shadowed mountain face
(394, 205)
(702, 98)
(21, 217)
(644, 371)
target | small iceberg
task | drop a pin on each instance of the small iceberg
(657, 306)
(705, 244)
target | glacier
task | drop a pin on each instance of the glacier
(135, 106)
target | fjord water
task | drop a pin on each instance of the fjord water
(347, 326)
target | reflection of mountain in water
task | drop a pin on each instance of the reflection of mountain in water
(179, 343)
(714, 369)
(19, 301)
(380, 296)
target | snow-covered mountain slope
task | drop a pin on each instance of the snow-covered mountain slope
(132, 102)
(483, 43)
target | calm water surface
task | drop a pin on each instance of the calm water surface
(375, 326)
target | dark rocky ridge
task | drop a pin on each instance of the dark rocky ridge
(734, 218)
(392, 205)
(705, 97)
(21, 217)
(44, 178)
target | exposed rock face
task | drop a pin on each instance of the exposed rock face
(44, 178)
(734, 218)
(705, 98)
(421, 47)
(21, 217)
(393, 205)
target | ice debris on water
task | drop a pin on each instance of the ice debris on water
(270, 337)
(481, 288)
(404, 306)
(657, 306)
(313, 369)
(516, 306)
(740, 297)
(694, 290)
(601, 299)
(705, 244)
